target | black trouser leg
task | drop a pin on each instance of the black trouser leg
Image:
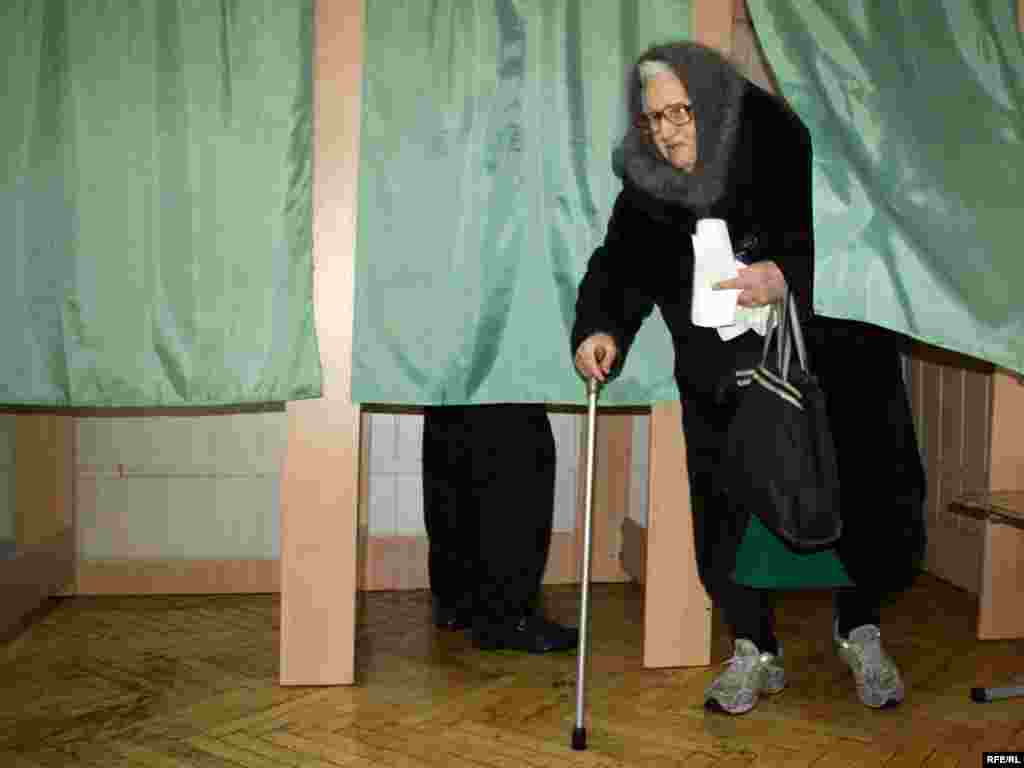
(514, 482)
(450, 509)
(718, 530)
(856, 607)
(488, 492)
(749, 613)
(880, 470)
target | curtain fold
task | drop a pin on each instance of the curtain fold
(157, 211)
(485, 184)
(916, 109)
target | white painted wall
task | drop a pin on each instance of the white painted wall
(641, 464)
(396, 487)
(190, 487)
(206, 487)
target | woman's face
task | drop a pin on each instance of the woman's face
(676, 143)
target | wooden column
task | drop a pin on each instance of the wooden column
(713, 21)
(613, 466)
(320, 476)
(44, 471)
(678, 616)
(44, 561)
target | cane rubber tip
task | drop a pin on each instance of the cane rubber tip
(579, 738)
(979, 695)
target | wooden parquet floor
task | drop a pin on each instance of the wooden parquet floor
(192, 681)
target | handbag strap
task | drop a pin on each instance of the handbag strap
(769, 334)
(797, 332)
(784, 322)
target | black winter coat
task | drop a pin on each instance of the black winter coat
(647, 256)
(646, 260)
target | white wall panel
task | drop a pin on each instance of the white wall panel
(409, 505)
(177, 517)
(396, 481)
(408, 443)
(566, 427)
(382, 517)
(248, 442)
(228, 443)
(383, 443)
(640, 470)
(395, 497)
(199, 487)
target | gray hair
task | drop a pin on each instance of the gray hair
(651, 68)
(716, 89)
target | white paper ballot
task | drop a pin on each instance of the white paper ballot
(747, 319)
(714, 261)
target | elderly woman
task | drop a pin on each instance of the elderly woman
(708, 144)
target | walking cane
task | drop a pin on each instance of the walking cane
(982, 695)
(579, 733)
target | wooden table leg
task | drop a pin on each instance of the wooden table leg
(679, 626)
(1001, 607)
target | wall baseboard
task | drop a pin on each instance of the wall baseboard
(177, 577)
(386, 563)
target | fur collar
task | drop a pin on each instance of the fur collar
(716, 89)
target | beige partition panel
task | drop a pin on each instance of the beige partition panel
(1000, 615)
(613, 452)
(320, 475)
(968, 416)
(678, 616)
(951, 399)
(1007, 443)
(44, 562)
(1002, 579)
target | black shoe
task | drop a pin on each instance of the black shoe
(533, 634)
(448, 617)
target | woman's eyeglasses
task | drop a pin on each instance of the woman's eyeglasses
(679, 114)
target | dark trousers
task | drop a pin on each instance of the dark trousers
(488, 499)
(719, 527)
(880, 473)
(750, 612)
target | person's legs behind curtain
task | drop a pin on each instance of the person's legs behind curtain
(450, 515)
(513, 478)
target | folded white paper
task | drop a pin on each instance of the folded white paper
(747, 319)
(713, 262)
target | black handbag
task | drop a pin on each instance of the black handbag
(780, 458)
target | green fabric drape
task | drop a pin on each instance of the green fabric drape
(156, 204)
(916, 108)
(485, 184)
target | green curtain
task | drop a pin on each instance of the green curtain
(915, 107)
(485, 184)
(156, 205)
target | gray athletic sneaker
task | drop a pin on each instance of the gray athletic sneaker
(878, 680)
(749, 674)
